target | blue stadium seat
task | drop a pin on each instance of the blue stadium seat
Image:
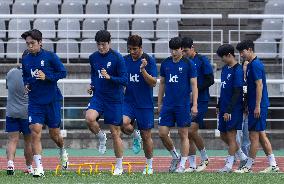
(169, 8)
(145, 8)
(72, 8)
(45, 7)
(121, 8)
(96, 8)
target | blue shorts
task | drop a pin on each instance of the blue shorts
(144, 116)
(49, 114)
(202, 108)
(171, 115)
(17, 125)
(112, 111)
(234, 124)
(259, 124)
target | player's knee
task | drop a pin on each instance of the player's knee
(145, 135)
(13, 139)
(115, 133)
(163, 135)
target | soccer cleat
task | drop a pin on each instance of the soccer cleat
(243, 170)
(10, 170)
(202, 166)
(102, 146)
(29, 171)
(137, 144)
(180, 169)
(225, 169)
(242, 164)
(270, 169)
(38, 173)
(64, 160)
(117, 171)
(174, 164)
(190, 170)
(148, 171)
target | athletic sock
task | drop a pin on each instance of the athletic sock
(192, 161)
(118, 163)
(174, 153)
(182, 162)
(101, 135)
(240, 154)
(10, 163)
(271, 160)
(203, 154)
(37, 159)
(149, 162)
(230, 161)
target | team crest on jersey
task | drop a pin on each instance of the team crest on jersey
(228, 76)
(30, 119)
(108, 64)
(180, 69)
(42, 63)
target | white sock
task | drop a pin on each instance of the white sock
(101, 135)
(10, 163)
(249, 163)
(62, 151)
(149, 162)
(182, 162)
(203, 154)
(230, 161)
(29, 167)
(192, 161)
(271, 160)
(37, 159)
(136, 134)
(174, 153)
(240, 154)
(118, 163)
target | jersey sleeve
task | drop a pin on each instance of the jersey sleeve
(257, 71)
(207, 68)
(162, 70)
(121, 71)
(238, 77)
(59, 69)
(93, 71)
(192, 73)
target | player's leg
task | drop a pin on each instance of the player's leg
(148, 147)
(27, 146)
(192, 150)
(13, 139)
(245, 137)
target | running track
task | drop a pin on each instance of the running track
(160, 164)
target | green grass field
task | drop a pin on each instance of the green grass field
(200, 178)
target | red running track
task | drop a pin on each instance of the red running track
(160, 164)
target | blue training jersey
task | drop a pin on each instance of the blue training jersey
(203, 67)
(108, 90)
(231, 77)
(255, 71)
(177, 81)
(43, 91)
(138, 92)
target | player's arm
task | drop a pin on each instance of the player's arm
(91, 87)
(59, 70)
(161, 92)
(234, 99)
(193, 82)
(149, 78)
(259, 88)
(207, 82)
(122, 74)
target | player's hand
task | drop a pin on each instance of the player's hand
(159, 108)
(105, 74)
(227, 117)
(27, 89)
(90, 90)
(194, 110)
(41, 75)
(256, 112)
(143, 64)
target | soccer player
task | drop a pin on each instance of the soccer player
(138, 98)
(41, 71)
(17, 120)
(230, 106)
(258, 103)
(108, 78)
(177, 78)
(205, 79)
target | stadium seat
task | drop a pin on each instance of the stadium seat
(281, 48)
(156, 2)
(83, 2)
(147, 46)
(91, 26)
(272, 25)
(123, 1)
(162, 50)
(70, 45)
(17, 27)
(73, 26)
(143, 27)
(172, 1)
(88, 46)
(58, 2)
(122, 24)
(1, 49)
(23, 8)
(26, 1)
(46, 26)
(162, 27)
(265, 48)
(121, 8)
(10, 2)
(15, 48)
(169, 8)
(4, 8)
(97, 8)
(145, 8)
(274, 7)
(2, 29)
(48, 45)
(99, 1)
(119, 45)
(45, 7)
(72, 8)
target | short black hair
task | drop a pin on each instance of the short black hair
(34, 33)
(245, 44)
(134, 40)
(102, 36)
(225, 50)
(187, 42)
(175, 43)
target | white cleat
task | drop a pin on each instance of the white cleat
(38, 173)
(225, 169)
(148, 171)
(202, 166)
(190, 170)
(64, 160)
(102, 146)
(117, 171)
(174, 164)
(29, 171)
(180, 169)
(271, 169)
(243, 170)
